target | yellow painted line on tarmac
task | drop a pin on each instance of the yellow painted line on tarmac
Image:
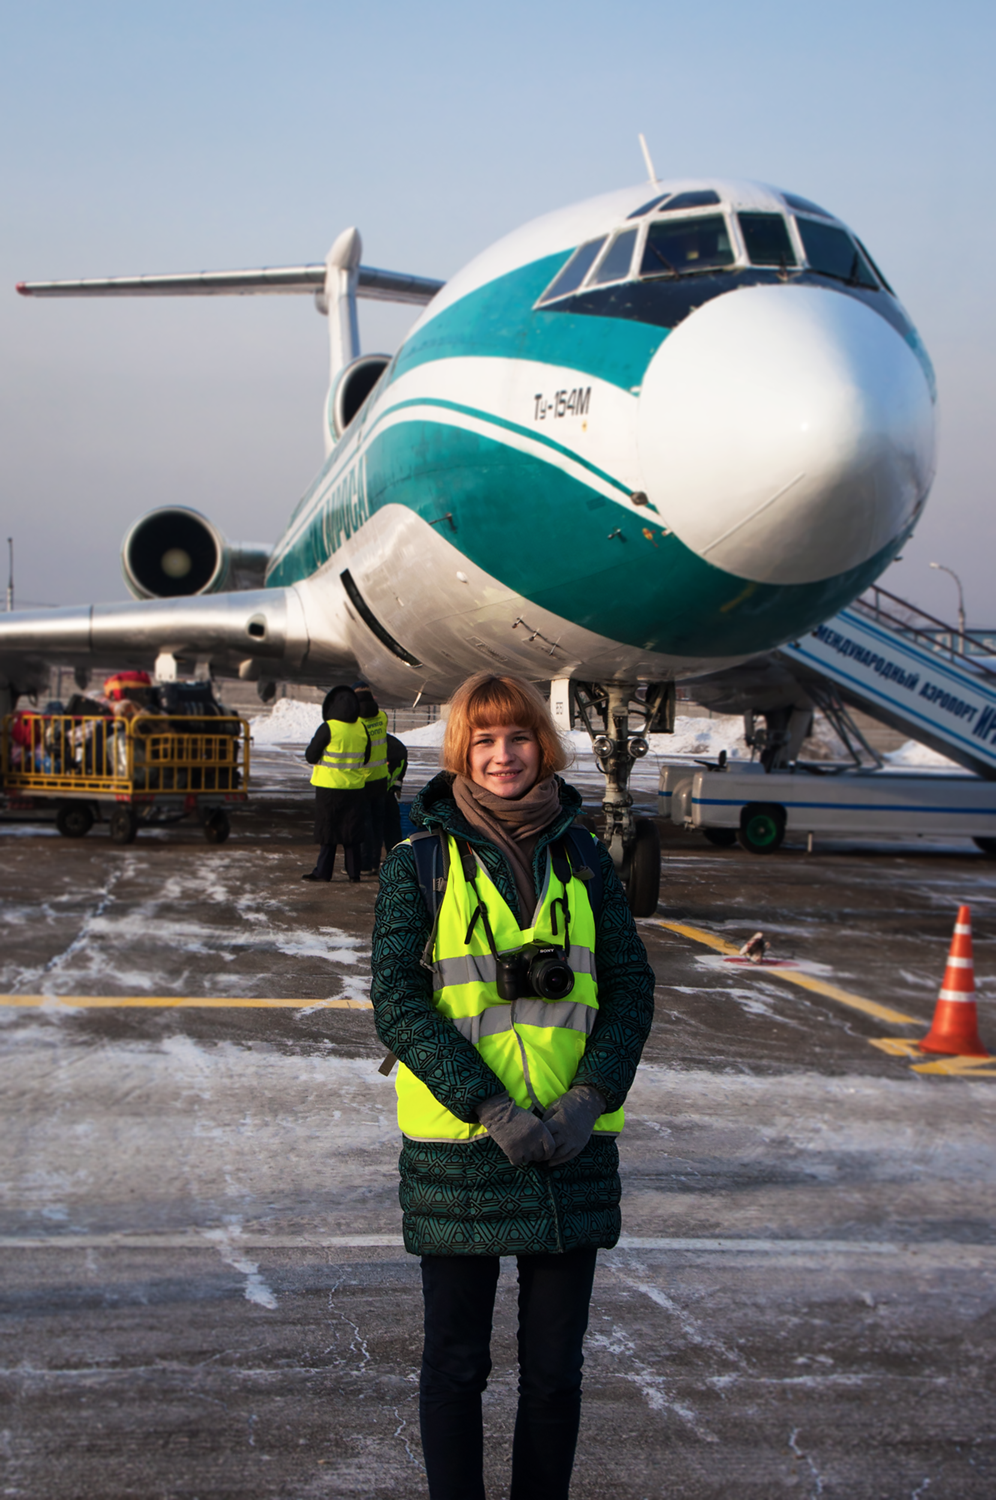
(896, 1046)
(901, 1046)
(793, 976)
(962, 1067)
(178, 1002)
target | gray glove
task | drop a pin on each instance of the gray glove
(521, 1135)
(571, 1120)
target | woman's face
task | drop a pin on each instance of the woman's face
(504, 759)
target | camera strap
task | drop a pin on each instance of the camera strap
(469, 862)
(560, 864)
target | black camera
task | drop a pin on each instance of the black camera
(544, 972)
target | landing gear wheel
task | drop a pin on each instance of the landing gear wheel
(217, 826)
(723, 838)
(762, 828)
(988, 846)
(643, 888)
(123, 826)
(74, 821)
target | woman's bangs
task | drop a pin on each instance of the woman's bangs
(498, 702)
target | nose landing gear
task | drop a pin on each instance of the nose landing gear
(634, 843)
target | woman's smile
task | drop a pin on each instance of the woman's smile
(504, 759)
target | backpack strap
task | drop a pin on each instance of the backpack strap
(582, 850)
(432, 858)
(431, 853)
(432, 867)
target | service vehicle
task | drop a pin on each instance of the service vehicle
(738, 802)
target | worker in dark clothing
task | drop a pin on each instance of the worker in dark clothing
(340, 753)
(397, 765)
(374, 720)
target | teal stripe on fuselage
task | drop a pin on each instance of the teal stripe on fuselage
(545, 535)
(499, 321)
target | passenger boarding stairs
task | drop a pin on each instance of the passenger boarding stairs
(922, 677)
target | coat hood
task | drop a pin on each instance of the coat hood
(340, 703)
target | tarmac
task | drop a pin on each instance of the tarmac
(205, 1292)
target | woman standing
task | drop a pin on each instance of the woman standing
(339, 751)
(514, 1066)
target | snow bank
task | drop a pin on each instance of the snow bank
(915, 754)
(701, 737)
(289, 722)
(691, 737)
(430, 735)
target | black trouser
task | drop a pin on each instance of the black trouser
(325, 863)
(392, 821)
(374, 800)
(459, 1292)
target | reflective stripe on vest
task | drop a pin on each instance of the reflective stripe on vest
(396, 775)
(376, 726)
(341, 766)
(533, 1045)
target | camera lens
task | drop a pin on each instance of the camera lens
(509, 975)
(551, 977)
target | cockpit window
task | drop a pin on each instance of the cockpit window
(878, 273)
(575, 270)
(675, 247)
(645, 208)
(702, 199)
(616, 264)
(831, 252)
(767, 239)
(804, 206)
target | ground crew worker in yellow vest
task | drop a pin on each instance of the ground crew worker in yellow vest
(516, 994)
(340, 753)
(397, 765)
(374, 720)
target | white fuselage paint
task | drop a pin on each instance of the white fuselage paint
(784, 433)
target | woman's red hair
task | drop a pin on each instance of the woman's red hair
(487, 699)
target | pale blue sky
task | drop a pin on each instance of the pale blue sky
(210, 135)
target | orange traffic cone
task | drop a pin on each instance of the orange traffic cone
(955, 1030)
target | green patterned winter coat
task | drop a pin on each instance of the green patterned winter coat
(467, 1199)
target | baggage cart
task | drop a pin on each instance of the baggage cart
(133, 771)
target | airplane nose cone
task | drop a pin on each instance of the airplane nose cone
(786, 433)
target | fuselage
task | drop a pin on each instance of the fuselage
(643, 437)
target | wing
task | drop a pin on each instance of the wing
(252, 634)
(376, 285)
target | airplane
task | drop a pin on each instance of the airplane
(644, 438)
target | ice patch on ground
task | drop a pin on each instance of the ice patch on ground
(289, 722)
(256, 1289)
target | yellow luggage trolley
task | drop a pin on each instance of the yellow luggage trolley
(147, 769)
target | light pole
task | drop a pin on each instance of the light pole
(10, 575)
(961, 603)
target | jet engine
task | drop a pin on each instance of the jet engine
(351, 388)
(174, 552)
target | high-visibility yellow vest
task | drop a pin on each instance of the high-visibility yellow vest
(341, 766)
(376, 726)
(396, 775)
(534, 1045)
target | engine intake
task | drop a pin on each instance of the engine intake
(176, 552)
(352, 387)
